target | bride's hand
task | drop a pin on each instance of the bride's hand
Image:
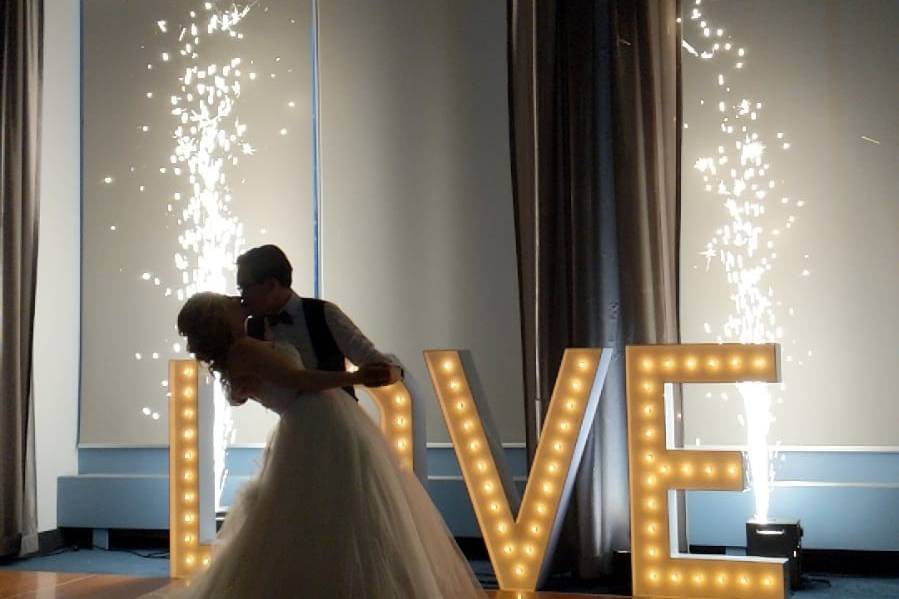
(374, 375)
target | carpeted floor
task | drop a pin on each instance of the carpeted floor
(151, 563)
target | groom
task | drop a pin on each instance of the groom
(324, 336)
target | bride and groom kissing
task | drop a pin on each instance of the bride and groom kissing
(331, 514)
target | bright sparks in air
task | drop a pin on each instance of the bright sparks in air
(738, 174)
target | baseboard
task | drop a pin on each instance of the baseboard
(842, 562)
(473, 548)
(878, 564)
(76, 538)
(50, 541)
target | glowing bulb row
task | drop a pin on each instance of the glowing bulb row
(187, 553)
(735, 362)
(395, 409)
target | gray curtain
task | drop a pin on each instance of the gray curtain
(593, 95)
(21, 31)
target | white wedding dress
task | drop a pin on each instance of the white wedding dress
(332, 515)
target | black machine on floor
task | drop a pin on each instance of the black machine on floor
(777, 538)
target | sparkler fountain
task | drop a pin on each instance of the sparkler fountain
(208, 138)
(739, 177)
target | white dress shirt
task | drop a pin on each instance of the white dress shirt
(350, 340)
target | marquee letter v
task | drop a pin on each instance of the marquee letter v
(520, 547)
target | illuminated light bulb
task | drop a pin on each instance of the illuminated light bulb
(529, 549)
(709, 470)
(668, 364)
(467, 425)
(553, 467)
(460, 406)
(519, 570)
(188, 539)
(188, 476)
(535, 529)
(721, 579)
(482, 466)
(648, 409)
(736, 362)
(488, 487)
(713, 363)
(541, 508)
(474, 446)
(650, 457)
(767, 581)
(732, 470)
(189, 560)
(649, 433)
(651, 480)
(494, 507)
(647, 386)
(188, 433)
(189, 392)
(502, 527)
(691, 363)
(206, 561)
(400, 421)
(687, 469)
(188, 517)
(577, 385)
(647, 364)
(698, 578)
(447, 365)
(188, 371)
(557, 446)
(665, 469)
(654, 576)
(675, 577)
(652, 529)
(455, 385)
(759, 362)
(401, 444)
(582, 364)
(509, 548)
(399, 400)
(188, 455)
(744, 580)
(653, 552)
(189, 497)
(652, 504)
(565, 425)
(571, 405)
(547, 488)
(188, 413)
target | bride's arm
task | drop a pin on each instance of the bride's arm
(251, 357)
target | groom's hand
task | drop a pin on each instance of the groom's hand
(396, 374)
(375, 374)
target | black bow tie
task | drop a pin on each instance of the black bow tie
(276, 319)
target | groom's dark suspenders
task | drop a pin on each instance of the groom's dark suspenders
(324, 346)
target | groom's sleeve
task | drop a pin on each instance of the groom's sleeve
(351, 341)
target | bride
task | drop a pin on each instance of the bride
(331, 514)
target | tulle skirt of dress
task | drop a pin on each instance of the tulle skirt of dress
(332, 515)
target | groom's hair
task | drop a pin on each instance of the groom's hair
(267, 261)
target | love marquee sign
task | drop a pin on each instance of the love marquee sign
(520, 535)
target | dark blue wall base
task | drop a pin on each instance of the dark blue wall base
(845, 500)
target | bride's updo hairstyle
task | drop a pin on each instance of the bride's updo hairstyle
(203, 320)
